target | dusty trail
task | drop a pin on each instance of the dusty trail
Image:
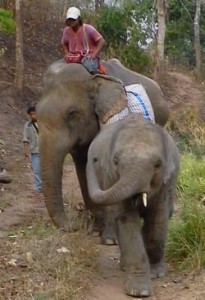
(109, 282)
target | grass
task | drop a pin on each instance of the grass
(188, 131)
(186, 241)
(43, 263)
(191, 183)
(6, 200)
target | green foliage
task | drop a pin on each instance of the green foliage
(135, 58)
(7, 24)
(121, 29)
(192, 178)
(186, 239)
(179, 39)
(186, 242)
(188, 131)
(179, 42)
(112, 24)
(131, 24)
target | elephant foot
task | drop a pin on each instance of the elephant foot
(108, 236)
(138, 287)
(67, 225)
(80, 207)
(70, 228)
(122, 264)
(157, 270)
(105, 229)
(108, 241)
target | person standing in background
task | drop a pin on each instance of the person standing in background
(30, 145)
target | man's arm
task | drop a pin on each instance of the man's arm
(97, 39)
(26, 149)
(64, 50)
(64, 44)
(99, 46)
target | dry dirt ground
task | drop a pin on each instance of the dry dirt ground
(19, 204)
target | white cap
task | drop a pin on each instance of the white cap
(73, 13)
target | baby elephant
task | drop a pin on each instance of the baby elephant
(132, 168)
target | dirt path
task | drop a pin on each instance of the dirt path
(109, 283)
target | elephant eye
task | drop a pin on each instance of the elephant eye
(116, 159)
(158, 165)
(95, 159)
(72, 112)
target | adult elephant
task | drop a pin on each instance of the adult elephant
(135, 175)
(68, 122)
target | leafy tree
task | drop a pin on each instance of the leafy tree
(7, 24)
(179, 42)
(123, 34)
(19, 70)
(161, 7)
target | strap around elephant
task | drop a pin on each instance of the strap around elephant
(143, 106)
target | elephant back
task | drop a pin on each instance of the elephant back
(153, 90)
(60, 71)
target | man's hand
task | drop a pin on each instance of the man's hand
(91, 55)
(66, 57)
(26, 149)
(26, 153)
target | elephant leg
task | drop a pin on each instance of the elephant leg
(154, 234)
(108, 232)
(80, 160)
(133, 256)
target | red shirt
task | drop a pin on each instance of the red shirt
(77, 42)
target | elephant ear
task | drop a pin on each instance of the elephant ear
(111, 96)
(172, 157)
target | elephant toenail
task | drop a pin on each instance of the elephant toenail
(145, 293)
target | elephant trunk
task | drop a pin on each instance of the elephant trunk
(127, 186)
(52, 158)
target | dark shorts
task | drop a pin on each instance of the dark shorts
(92, 65)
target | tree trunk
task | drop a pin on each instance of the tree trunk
(99, 4)
(65, 8)
(19, 48)
(161, 16)
(197, 44)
